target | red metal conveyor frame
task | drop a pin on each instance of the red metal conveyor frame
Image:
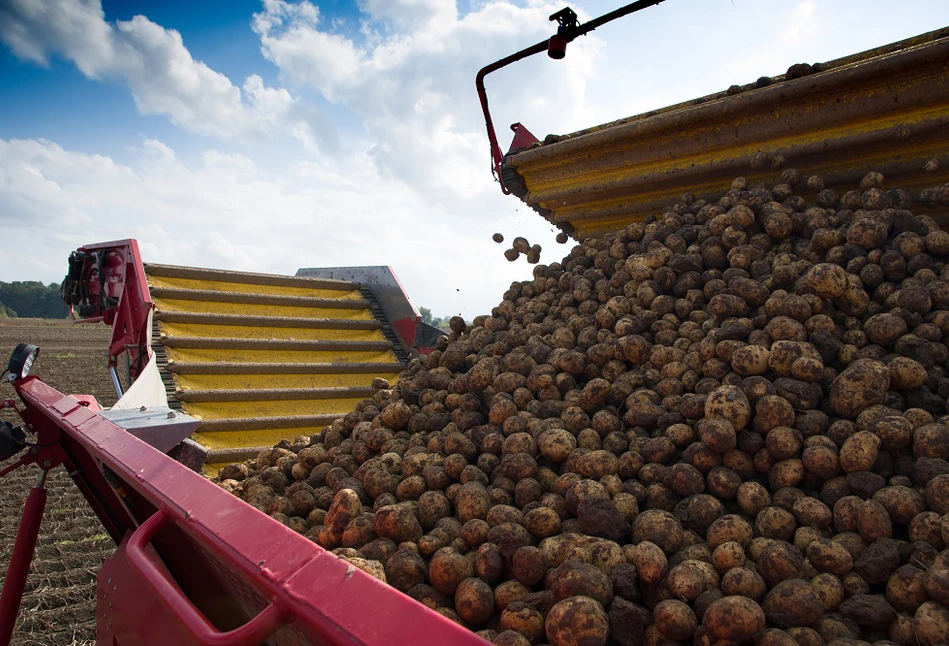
(196, 565)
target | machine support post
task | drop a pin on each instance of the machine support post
(115, 382)
(21, 558)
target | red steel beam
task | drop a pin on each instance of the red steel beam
(203, 534)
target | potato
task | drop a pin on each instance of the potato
(650, 561)
(575, 621)
(873, 521)
(520, 617)
(792, 603)
(906, 588)
(729, 403)
(827, 280)
(931, 623)
(859, 452)
(827, 556)
(829, 590)
(937, 584)
(405, 570)
(528, 565)
(372, 568)
(734, 618)
(448, 569)
(660, 528)
(573, 578)
(745, 582)
(396, 522)
(728, 555)
(862, 384)
(675, 619)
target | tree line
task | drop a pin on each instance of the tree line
(441, 322)
(31, 299)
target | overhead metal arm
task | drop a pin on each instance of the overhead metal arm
(556, 47)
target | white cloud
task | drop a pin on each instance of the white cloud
(802, 19)
(225, 211)
(410, 78)
(158, 69)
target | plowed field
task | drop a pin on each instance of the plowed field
(59, 606)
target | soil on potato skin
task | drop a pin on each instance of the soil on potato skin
(59, 604)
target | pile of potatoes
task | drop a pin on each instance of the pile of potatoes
(724, 425)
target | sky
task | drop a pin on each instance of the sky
(278, 134)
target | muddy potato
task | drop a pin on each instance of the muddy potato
(937, 583)
(556, 444)
(863, 383)
(521, 618)
(745, 582)
(397, 522)
(859, 452)
(829, 590)
(906, 373)
(775, 522)
(729, 403)
(448, 569)
(733, 618)
(827, 556)
(931, 623)
(779, 560)
(528, 565)
(687, 580)
(792, 603)
(659, 528)
(873, 521)
(577, 621)
(826, 280)
(405, 569)
(675, 619)
(474, 601)
(906, 588)
(573, 578)
(751, 360)
(728, 555)
(542, 522)
(650, 561)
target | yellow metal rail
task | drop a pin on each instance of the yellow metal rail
(261, 358)
(886, 110)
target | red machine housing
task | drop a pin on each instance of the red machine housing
(106, 282)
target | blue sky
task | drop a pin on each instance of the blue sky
(269, 135)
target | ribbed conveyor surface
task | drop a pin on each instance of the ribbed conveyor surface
(260, 358)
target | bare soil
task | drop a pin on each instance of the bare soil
(59, 605)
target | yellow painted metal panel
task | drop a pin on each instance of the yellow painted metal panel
(266, 437)
(250, 382)
(247, 332)
(227, 410)
(244, 408)
(251, 309)
(250, 288)
(282, 356)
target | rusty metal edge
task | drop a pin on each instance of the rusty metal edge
(931, 48)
